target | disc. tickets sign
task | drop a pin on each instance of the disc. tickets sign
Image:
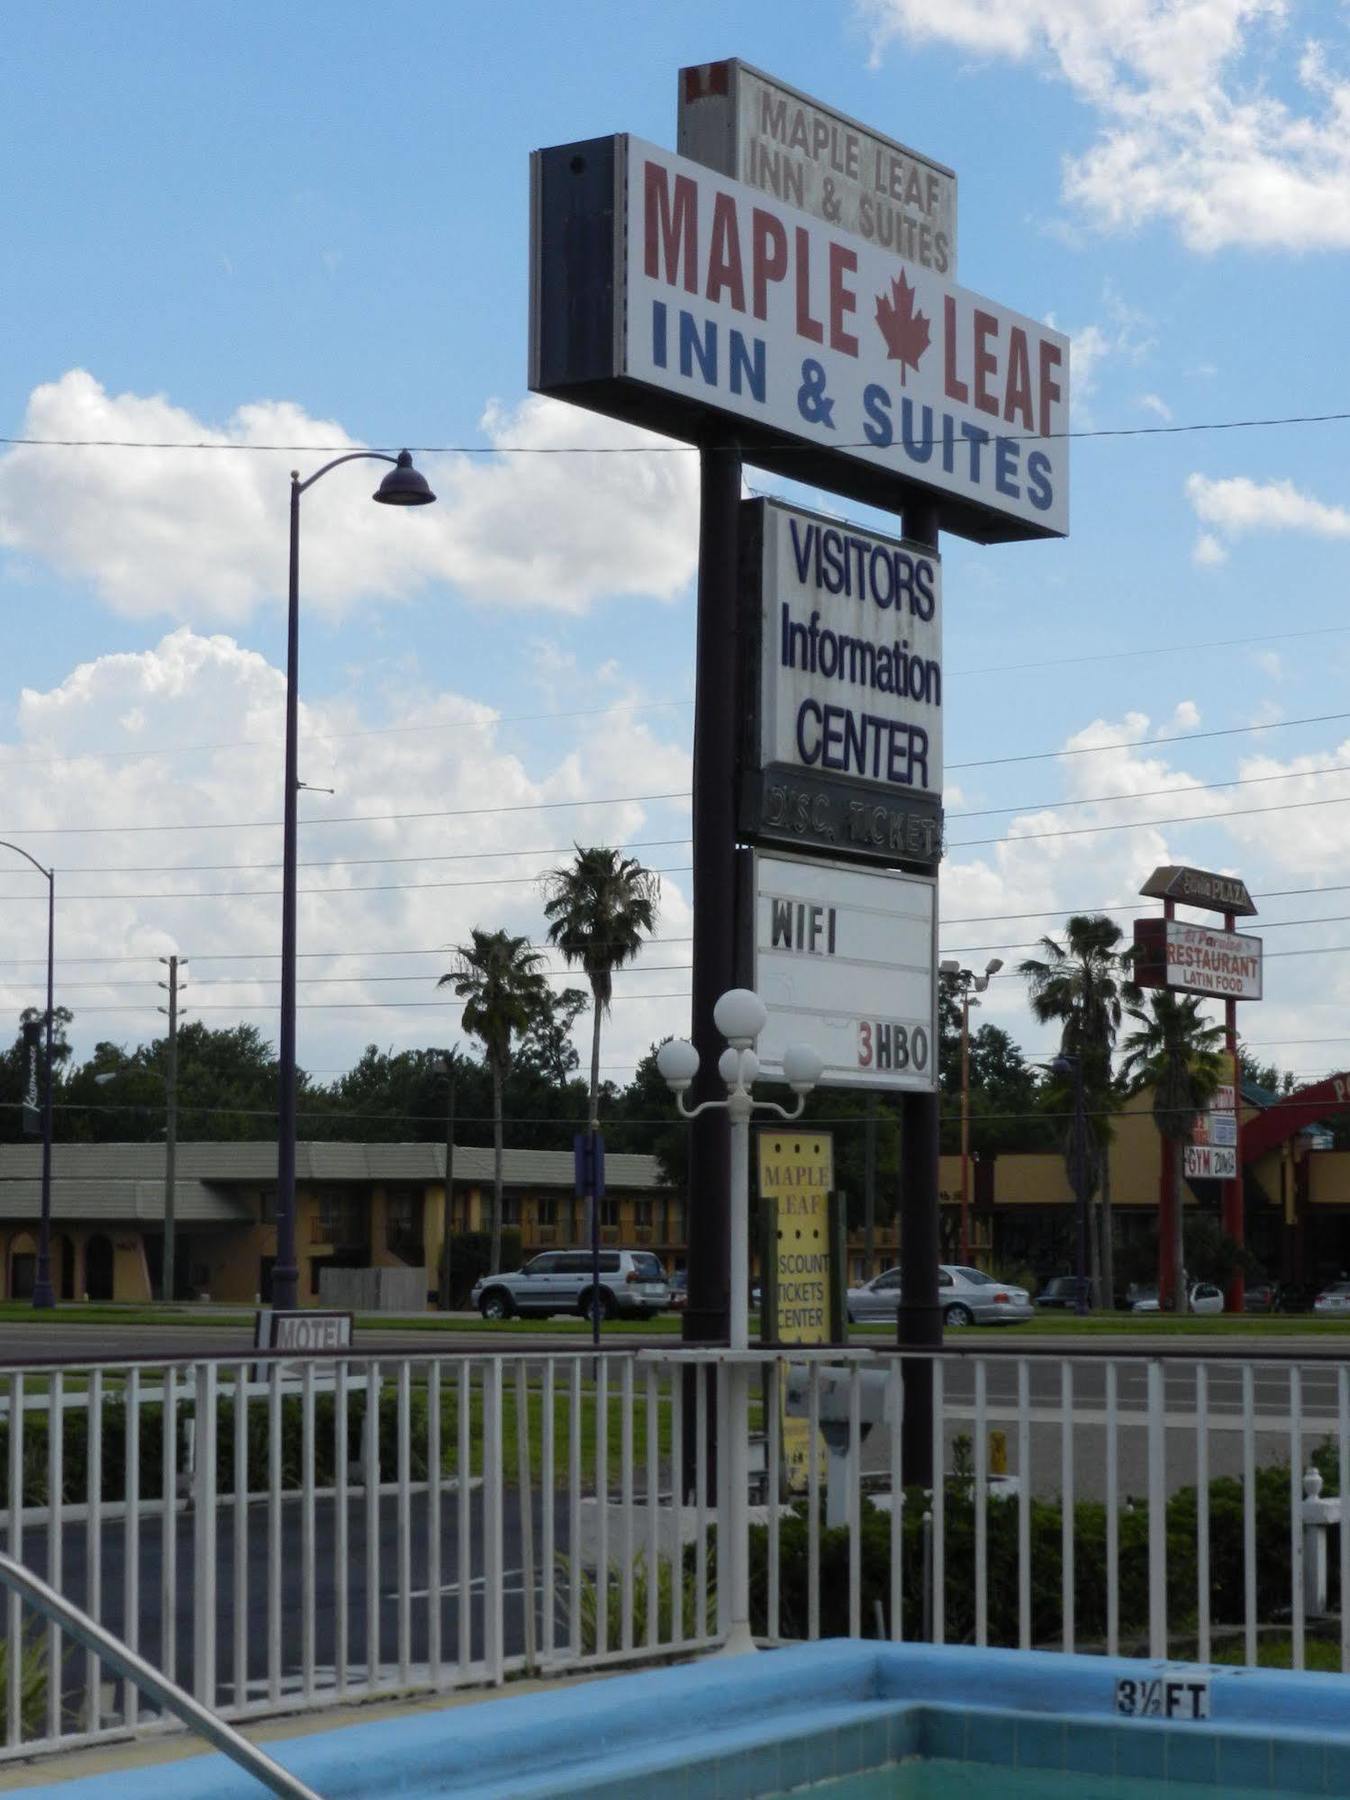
(803, 1260)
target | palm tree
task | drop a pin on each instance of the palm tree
(497, 977)
(1178, 1051)
(1084, 984)
(599, 910)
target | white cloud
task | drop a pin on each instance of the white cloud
(1155, 404)
(1207, 552)
(201, 535)
(136, 894)
(1237, 504)
(1192, 129)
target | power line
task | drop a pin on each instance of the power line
(331, 737)
(1080, 434)
(1175, 737)
(1197, 787)
(1250, 812)
(354, 862)
(454, 812)
(366, 887)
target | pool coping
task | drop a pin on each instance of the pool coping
(790, 1717)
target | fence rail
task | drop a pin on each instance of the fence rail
(290, 1533)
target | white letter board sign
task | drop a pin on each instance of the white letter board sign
(843, 960)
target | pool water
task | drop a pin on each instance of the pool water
(937, 1779)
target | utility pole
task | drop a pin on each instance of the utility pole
(449, 1067)
(870, 1188)
(170, 1126)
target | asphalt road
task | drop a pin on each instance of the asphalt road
(176, 1651)
(56, 1340)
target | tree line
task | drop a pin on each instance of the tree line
(521, 1077)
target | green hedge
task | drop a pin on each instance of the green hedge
(1273, 1563)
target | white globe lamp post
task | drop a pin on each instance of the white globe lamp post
(740, 1015)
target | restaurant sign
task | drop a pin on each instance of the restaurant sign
(1192, 959)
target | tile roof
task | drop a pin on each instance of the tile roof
(206, 1165)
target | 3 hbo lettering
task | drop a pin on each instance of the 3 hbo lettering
(883, 1045)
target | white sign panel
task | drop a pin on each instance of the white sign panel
(1226, 964)
(851, 653)
(844, 960)
(1208, 1162)
(739, 302)
(746, 124)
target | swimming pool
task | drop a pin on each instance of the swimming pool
(908, 1721)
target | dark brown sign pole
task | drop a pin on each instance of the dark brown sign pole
(707, 1317)
(1234, 1208)
(919, 1320)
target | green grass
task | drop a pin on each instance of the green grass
(1245, 1325)
(1276, 1651)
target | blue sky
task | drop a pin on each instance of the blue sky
(310, 225)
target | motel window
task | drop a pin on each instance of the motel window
(609, 1212)
(403, 1226)
(642, 1212)
(510, 1209)
(546, 1212)
(342, 1218)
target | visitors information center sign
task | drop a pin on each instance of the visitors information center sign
(663, 292)
(843, 960)
(845, 721)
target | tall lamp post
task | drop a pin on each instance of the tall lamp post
(969, 984)
(1069, 1063)
(403, 486)
(448, 1066)
(740, 1016)
(43, 1296)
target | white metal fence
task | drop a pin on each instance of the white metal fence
(286, 1534)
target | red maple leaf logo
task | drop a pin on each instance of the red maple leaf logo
(905, 330)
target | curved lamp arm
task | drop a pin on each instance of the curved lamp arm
(20, 851)
(351, 456)
(692, 1112)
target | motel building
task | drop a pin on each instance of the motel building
(362, 1206)
(1296, 1190)
(358, 1206)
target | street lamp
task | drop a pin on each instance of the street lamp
(402, 486)
(43, 1296)
(447, 1065)
(740, 1016)
(1069, 1063)
(969, 984)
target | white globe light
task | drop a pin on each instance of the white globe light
(740, 1015)
(735, 1065)
(803, 1066)
(677, 1064)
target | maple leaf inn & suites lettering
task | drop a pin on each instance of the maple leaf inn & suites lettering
(738, 300)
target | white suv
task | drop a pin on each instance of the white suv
(632, 1284)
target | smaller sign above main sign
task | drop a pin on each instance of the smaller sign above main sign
(1198, 887)
(749, 125)
(1192, 959)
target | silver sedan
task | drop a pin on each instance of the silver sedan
(968, 1297)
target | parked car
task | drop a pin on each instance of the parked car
(1202, 1297)
(1261, 1297)
(633, 1285)
(679, 1291)
(1333, 1300)
(967, 1297)
(1060, 1294)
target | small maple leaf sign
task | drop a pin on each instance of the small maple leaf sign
(905, 330)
